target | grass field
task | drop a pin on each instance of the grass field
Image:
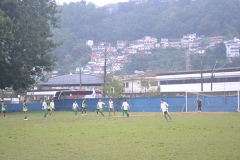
(145, 136)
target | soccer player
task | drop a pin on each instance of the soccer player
(111, 107)
(44, 108)
(100, 107)
(25, 109)
(199, 103)
(84, 105)
(164, 109)
(52, 106)
(4, 109)
(75, 107)
(49, 108)
(125, 107)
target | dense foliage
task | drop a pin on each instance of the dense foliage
(25, 41)
(132, 21)
(159, 60)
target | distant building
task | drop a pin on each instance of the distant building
(111, 8)
(232, 48)
(90, 43)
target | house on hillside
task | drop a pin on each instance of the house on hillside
(232, 48)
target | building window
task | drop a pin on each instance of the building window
(126, 85)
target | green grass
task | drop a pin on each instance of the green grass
(142, 136)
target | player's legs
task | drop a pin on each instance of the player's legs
(25, 115)
(199, 108)
(45, 114)
(127, 113)
(75, 112)
(165, 115)
(101, 112)
(83, 110)
(169, 116)
(4, 114)
(113, 111)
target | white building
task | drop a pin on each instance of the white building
(232, 48)
(90, 43)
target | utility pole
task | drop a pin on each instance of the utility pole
(80, 74)
(212, 74)
(105, 70)
(105, 65)
(201, 74)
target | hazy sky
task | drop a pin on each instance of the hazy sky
(96, 2)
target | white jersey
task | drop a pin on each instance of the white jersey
(52, 105)
(125, 106)
(44, 105)
(75, 105)
(100, 104)
(110, 104)
(164, 107)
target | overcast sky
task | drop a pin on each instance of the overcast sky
(96, 2)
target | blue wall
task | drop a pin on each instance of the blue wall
(176, 104)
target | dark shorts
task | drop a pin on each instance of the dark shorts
(48, 109)
(3, 111)
(24, 111)
(166, 112)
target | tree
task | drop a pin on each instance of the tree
(26, 44)
(210, 57)
(114, 89)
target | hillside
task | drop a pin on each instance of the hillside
(132, 21)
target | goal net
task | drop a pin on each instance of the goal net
(222, 101)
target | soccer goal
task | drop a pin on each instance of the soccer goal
(222, 101)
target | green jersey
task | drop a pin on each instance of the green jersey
(3, 107)
(83, 104)
(24, 107)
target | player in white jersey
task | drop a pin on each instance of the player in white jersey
(125, 107)
(164, 109)
(100, 107)
(111, 107)
(44, 108)
(52, 106)
(75, 107)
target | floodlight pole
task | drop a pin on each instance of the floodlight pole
(212, 74)
(215, 70)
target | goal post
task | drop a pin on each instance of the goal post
(217, 101)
